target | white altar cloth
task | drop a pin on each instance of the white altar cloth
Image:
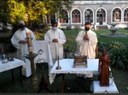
(11, 65)
(67, 68)
(42, 48)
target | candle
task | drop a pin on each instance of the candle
(29, 41)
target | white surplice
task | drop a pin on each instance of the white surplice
(22, 49)
(56, 48)
(87, 47)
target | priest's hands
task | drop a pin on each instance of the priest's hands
(22, 42)
(55, 40)
(86, 37)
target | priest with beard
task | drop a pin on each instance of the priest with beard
(87, 43)
(19, 42)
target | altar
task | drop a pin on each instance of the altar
(11, 65)
(68, 68)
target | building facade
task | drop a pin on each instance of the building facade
(99, 13)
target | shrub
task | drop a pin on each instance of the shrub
(118, 53)
(39, 36)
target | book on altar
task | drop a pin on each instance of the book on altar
(80, 61)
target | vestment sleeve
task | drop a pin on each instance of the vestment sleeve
(93, 40)
(79, 38)
(62, 38)
(15, 41)
(47, 37)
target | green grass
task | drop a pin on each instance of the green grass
(109, 39)
(71, 35)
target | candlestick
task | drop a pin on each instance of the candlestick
(57, 53)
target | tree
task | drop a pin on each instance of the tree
(35, 10)
(17, 11)
(31, 11)
(3, 12)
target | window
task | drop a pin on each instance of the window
(88, 15)
(116, 15)
(126, 14)
(76, 18)
(48, 19)
(63, 16)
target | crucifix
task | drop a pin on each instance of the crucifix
(31, 57)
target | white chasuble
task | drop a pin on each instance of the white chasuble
(87, 47)
(56, 48)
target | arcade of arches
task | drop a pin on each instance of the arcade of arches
(76, 16)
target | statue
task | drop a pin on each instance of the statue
(104, 68)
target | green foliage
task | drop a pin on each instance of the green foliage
(118, 53)
(101, 46)
(35, 10)
(71, 35)
(17, 11)
(114, 45)
(38, 35)
(54, 6)
(31, 11)
(3, 11)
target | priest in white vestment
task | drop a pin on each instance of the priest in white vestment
(87, 42)
(19, 41)
(56, 38)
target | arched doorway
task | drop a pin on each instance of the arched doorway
(101, 16)
(50, 19)
(126, 15)
(76, 16)
(116, 15)
(88, 15)
(63, 16)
